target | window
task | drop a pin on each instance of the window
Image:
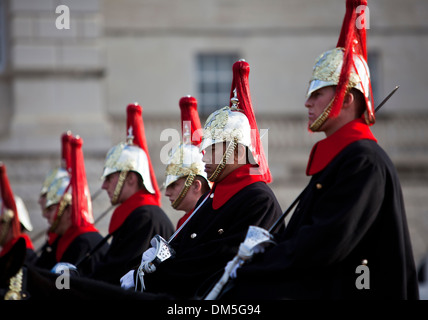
(214, 80)
(374, 62)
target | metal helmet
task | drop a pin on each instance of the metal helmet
(328, 66)
(237, 124)
(52, 175)
(345, 66)
(58, 190)
(23, 215)
(226, 124)
(327, 70)
(127, 157)
(185, 159)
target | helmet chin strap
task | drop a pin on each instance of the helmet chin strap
(220, 167)
(317, 124)
(189, 180)
(119, 185)
(63, 203)
(7, 218)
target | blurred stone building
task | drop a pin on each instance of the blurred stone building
(156, 51)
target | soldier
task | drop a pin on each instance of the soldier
(61, 171)
(69, 213)
(56, 173)
(14, 219)
(131, 184)
(240, 197)
(186, 180)
(348, 237)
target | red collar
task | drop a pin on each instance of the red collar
(9, 245)
(138, 199)
(237, 180)
(68, 237)
(184, 218)
(326, 150)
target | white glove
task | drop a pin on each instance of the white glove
(259, 248)
(148, 255)
(146, 264)
(146, 260)
(127, 281)
(60, 267)
(233, 274)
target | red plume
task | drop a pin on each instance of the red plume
(240, 82)
(66, 150)
(8, 200)
(353, 39)
(353, 30)
(189, 112)
(81, 203)
(135, 120)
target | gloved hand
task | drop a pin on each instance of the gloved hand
(127, 281)
(260, 248)
(148, 256)
(60, 267)
(233, 274)
(146, 265)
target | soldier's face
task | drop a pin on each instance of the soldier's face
(110, 183)
(212, 157)
(174, 189)
(49, 213)
(317, 102)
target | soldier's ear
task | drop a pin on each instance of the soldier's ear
(197, 185)
(240, 154)
(348, 100)
(132, 178)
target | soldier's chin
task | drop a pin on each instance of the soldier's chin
(209, 171)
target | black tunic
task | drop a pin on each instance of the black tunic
(351, 211)
(129, 242)
(77, 249)
(210, 239)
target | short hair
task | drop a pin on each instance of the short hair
(205, 186)
(140, 181)
(360, 101)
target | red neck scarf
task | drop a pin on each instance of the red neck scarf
(138, 199)
(184, 218)
(326, 150)
(68, 237)
(237, 180)
(9, 245)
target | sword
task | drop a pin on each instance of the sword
(386, 99)
(163, 249)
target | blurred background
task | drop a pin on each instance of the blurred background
(155, 51)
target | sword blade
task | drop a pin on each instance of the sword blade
(187, 220)
(386, 99)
